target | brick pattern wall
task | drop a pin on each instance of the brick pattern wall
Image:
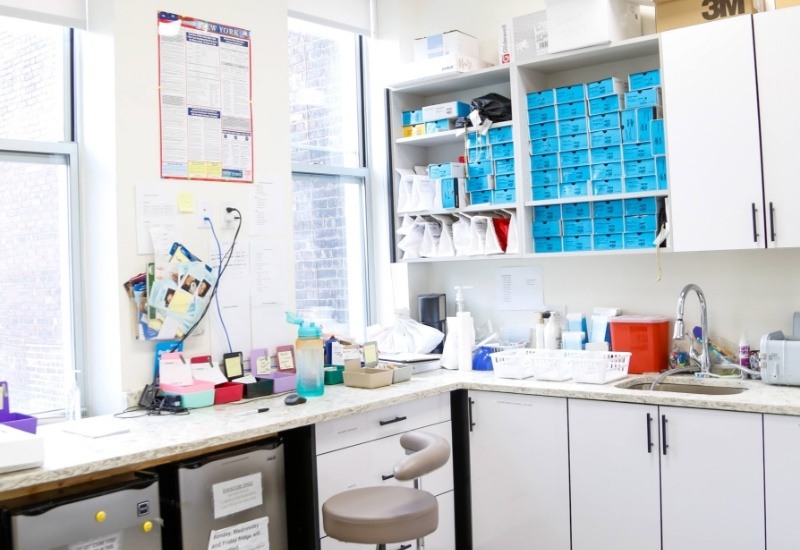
(32, 214)
(319, 207)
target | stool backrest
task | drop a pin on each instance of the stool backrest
(428, 452)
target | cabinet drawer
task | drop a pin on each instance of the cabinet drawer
(358, 428)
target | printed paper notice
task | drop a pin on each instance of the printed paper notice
(106, 542)
(519, 288)
(251, 535)
(236, 495)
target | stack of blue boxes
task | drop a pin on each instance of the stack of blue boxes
(433, 118)
(587, 140)
(490, 166)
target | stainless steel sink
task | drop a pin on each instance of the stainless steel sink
(702, 389)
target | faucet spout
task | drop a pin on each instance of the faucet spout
(705, 364)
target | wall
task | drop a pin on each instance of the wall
(118, 80)
(750, 291)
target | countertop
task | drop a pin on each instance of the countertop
(146, 441)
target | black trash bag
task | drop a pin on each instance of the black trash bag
(495, 107)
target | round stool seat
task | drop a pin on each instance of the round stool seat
(375, 515)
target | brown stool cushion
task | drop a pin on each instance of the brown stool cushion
(375, 515)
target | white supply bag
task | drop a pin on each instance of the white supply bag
(446, 247)
(404, 191)
(478, 227)
(405, 336)
(430, 239)
(411, 242)
(423, 193)
(405, 226)
(461, 235)
(492, 243)
(512, 245)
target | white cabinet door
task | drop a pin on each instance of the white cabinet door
(444, 538)
(782, 484)
(777, 49)
(614, 467)
(712, 480)
(519, 471)
(711, 118)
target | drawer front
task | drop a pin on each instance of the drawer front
(369, 425)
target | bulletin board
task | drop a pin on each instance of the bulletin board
(205, 106)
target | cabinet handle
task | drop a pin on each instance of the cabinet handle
(471, 423)
(649, 435)
(390, 476)
(664, 435)
(755, 229)
(771, 222)
(393, 420)
(404, 547)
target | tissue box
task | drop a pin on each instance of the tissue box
(575, 24)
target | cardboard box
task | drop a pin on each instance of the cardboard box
(673, 14)
(447, 43)
(575, 24)
(435, 66)
(451, 109)
(530, 36)
(786, 3)
(505, 43)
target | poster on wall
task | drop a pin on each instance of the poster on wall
(205, 109)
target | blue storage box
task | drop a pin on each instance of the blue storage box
(575, 210)
(661, 172)
(475, 139)
(406, 117)
(545, 192)
(448, 110)
(545, 145)
(606, 171)
(645, 79)
(500, 135)
(612, 153)
(578, 243)
(503, 150)
(446, 170)
(544, 162)
(505, 181)
(504, 166)
(640, 205)
(608, 104)
(609, 225)
(604, 138)
(648, 97)
(606, 187)
(607, 209)
(630, 130)
(439, 125)
(576, 174)
(570, 94)
(612, 241)
(572, 126)
(657, 140)
(573, 142)
(640, 223)
(449, 192)
(481, 197)
(547, 228)
(606, 86)
(504, 196)
(637, 151)
(548, 212)
(577, 227)
(541, 98)
(645, 117)
(480, 168)
(571, 110)
(475, 154)
(604, 121)
(638, 184)
(543, 130)
(640, 240)
(547, 244)
(542, 114)
(479, 183)
(574, 189)
(643, 167)
(416, 116)
(570, 159)
(545, 177)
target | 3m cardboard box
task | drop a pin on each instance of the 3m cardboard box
(786, 3)
(573, 24)
(673, 14)
(447, 43)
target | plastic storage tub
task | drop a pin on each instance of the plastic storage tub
(197, 395)
(647, 338)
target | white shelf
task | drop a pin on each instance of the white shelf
(599, 198)
(438, 138)
(595, 55)
(446, 83)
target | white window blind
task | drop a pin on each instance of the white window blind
(350, 15)
(69, 13)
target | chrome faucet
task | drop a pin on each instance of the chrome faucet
(677, 334)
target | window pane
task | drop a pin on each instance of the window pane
(35, 317)
(329, 251)
(32, 98)
(323, 95)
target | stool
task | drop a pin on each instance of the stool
(382, 515)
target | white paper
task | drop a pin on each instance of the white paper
(268, 271)
(236, 495)
(208, 373)
(155, 207)
(97, 427)
(270, 208)
(233, 301)
(106, 542)
(250, 535)
(519, 288)
(174, 371)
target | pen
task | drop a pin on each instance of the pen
(255, 411)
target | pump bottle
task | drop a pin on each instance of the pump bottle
(552, 332)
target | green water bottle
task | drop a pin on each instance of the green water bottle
(309, 357)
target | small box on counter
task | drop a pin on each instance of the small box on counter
(11, 419)
(193, 396)
(575, 24)
(450, 109)
(227, 392)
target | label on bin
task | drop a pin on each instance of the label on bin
(236, 495)
(106, 542)
(250, 535)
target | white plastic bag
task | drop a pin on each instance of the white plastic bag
(461, 235)
(446, 247)
(477, 235)
(405, 336)
(431, 236)
(512, 246)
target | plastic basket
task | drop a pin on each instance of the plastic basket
(512, 363)
(552, 365)
(599, 367)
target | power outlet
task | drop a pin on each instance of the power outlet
(203, 209)
(228, 218)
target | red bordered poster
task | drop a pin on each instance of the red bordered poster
(205, 91)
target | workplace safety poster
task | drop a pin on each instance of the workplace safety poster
(205, 100)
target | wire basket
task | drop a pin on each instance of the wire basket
(512, 363)
(599, 367)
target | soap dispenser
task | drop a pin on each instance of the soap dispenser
(552, 332)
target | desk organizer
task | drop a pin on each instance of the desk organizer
(14, 420)
(333, 375)
(194, 396)
(401, 373)
(227, 392)
(281, 381)
(367, 377)
(260, 388)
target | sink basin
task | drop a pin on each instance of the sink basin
(702, 389)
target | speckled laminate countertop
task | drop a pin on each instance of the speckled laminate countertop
(149, 440)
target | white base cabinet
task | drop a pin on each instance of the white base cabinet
(782, 482)
(519, 471)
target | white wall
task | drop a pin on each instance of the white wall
(753, 292)
(118, 76)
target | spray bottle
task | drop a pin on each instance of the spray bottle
(309, 357)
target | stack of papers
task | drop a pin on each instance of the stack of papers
(422, 362)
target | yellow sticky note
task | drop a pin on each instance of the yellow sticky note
(179, 302)
(185, 203)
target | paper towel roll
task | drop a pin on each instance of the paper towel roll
(450, 351)
(466, 340)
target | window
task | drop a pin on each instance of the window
(39, 281)
(329, 178)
